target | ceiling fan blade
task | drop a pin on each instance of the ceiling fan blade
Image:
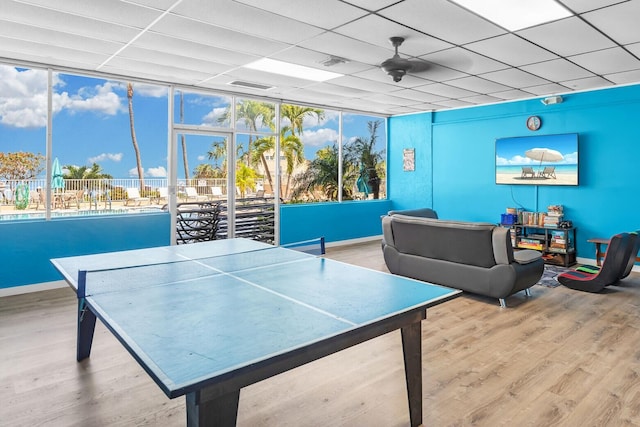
(418, 66)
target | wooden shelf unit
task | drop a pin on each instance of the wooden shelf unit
(558, 245)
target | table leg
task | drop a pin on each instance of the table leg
(598, 254)
(206, 411)
(412, 350)
(86, 327)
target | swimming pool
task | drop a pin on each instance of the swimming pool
(77, 213)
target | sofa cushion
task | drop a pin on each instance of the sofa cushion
(459, 242)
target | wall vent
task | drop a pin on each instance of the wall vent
(250, 85)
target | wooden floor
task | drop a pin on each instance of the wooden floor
(559, 358)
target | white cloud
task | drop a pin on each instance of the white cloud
(159, 172)
(114, 157)
(211, 119)
(149, 91)
(319, 137)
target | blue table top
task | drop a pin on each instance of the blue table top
(203, 310)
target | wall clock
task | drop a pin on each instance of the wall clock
(534, 123)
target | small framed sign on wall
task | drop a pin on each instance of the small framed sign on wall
(409, 159)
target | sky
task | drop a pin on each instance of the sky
(511, 151)
(91, 122)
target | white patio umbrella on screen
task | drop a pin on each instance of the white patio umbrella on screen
(544, 155)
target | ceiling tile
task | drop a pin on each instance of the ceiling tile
(365, 84)
(212, 35)
(332, 13)
(442, 19)
(346, 47)
(566, 37)
(624, 78)
(581, 6)
(311, 58)
(235, 16)
(417, 95)
(454, 103)
(620, 22)
(588, 83)
(482, 99)
(445, 90)
(549, 89)
(377, 31)
(371, 5)
(511, 50)
(607, 61)
(174, 46)
(72, 24)
(512, 94)
(514, 78)
(477, 84)
(51, 55)
(389, 99)
(557, 70)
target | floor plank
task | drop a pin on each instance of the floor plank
(559, 358)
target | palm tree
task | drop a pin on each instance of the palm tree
(323, 173)
(185, 160)
(291, 145)
(245, 178)
(133, 136)
(362, 152)
(84, 172)
(252, 113)
(206, 170)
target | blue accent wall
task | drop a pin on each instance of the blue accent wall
(334, 221)
(27, 246)
(461, 173)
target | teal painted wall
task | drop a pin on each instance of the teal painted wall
(410, 189)
(28, 245)
(463, 186)
(334, 221)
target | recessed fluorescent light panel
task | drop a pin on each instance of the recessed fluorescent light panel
(292, 70)
(515, 15)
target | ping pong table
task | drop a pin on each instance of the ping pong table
(207, 319)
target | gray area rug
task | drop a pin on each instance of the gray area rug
(548, 278)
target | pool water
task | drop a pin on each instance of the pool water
(76, 213)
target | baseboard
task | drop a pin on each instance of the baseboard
(353, 241)
(19, 290)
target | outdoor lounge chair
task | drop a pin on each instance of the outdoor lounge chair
(216, 192)
(548, 172)
(526, 171)
(163, 194)
(190, 194)
(613, 266)
(133, 195)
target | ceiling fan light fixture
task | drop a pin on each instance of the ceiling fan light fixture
(396, 74)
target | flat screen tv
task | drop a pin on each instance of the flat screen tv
(537, 160)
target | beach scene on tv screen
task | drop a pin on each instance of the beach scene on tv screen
(537, 160)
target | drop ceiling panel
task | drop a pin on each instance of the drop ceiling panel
(557, 70)
(477, 84)
(371, 5)
(581, 6)
(390, 99)
(620, 22)
(624, 78)
(364, 84)
(588, 83)
(44, 36)
(511, 50)
(482, 99)
(174, 46)
(514, 78)
(446, 91)
(442, 19)
(408, 81)
(331, 13)
(549, 89)
(347, 48)
(377, 31)
(311, 58)
(72, 24)
(607, 61)
(212, 35)
(114, 11)
(235, 16)
(182, 62)
(567, 37)
(512, 94)
(164, 73)
(50, 55)
(418, 95)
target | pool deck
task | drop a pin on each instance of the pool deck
(6, 209)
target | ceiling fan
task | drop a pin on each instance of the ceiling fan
(398, 67)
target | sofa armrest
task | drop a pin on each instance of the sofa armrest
(387, 232)
(502, 249)
(526, 256)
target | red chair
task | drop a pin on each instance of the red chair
(613, 267)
